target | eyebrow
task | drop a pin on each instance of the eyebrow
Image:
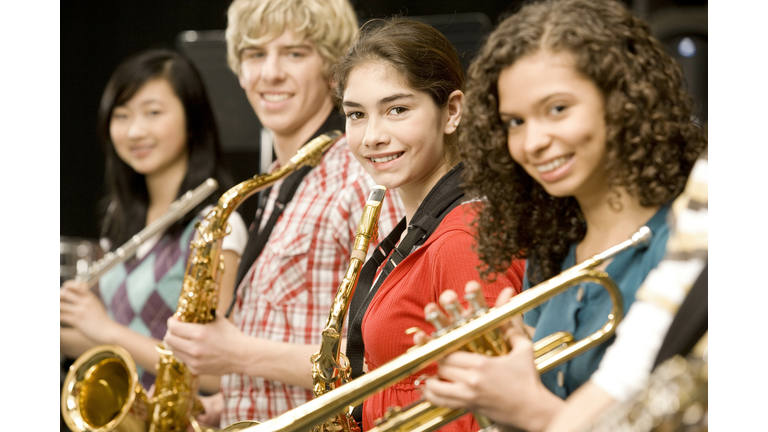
(384, 101)
(538, 103)
(282, 47)
(146, 102)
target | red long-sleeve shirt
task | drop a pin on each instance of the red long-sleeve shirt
(447, 260)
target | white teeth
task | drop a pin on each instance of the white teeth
(386, 158)
(547, 167)
(273, 97)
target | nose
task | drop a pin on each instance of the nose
(375, 135)
(537, 137)
(137, 129)
(271, 69)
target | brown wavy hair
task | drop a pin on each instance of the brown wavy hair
(424, 59)
(651, 145)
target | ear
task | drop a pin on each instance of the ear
(453, 109)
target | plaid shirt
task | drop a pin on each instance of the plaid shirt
(288, 292)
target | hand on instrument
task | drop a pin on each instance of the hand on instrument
(80, 308)
(214, 406)
(502, 388)
(420, 337)
(205, 349)
(495, 386)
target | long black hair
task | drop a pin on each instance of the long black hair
(128, 199)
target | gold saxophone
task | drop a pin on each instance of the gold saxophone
(675, 398)
(174, 404)
(324, 407)
(330, 367)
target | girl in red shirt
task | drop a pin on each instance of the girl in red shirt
(401, 87)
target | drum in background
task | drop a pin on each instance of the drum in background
(76, 255)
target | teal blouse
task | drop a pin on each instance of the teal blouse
(584, 308)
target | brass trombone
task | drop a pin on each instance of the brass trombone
(318, 410)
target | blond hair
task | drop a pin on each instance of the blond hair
(330, 24)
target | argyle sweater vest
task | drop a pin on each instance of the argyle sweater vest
(142, 293)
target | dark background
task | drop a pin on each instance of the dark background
(98, 35)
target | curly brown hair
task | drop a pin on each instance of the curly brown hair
(651, 141)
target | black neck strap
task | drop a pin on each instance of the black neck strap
(444, 197)
(257, 239)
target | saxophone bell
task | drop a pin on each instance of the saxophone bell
(110, 370)
(102, 393)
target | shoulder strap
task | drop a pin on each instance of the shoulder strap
(258, 239)
(444, 197)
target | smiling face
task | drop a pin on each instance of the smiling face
(556, 124)
(149, 131)
(395, 132)
(284, 81)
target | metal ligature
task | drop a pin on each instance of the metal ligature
(174, 404)
(330, 367)
(319, 410)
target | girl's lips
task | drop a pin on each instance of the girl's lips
(556, 169)
(386, 161)
(141, 151)
(385, 158)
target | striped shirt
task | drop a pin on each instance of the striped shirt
(287, 294)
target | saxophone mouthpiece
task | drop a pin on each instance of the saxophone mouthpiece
(377, 194)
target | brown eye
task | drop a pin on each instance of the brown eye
(513, 123)
(557, 109)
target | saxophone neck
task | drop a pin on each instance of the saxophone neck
(326, 362)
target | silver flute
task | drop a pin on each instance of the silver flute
(176, 211)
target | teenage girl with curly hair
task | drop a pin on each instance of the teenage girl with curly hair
(577, 131)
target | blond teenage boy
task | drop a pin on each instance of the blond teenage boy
(281, 51)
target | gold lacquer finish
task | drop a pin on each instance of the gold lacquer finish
(326, 406)
(102, 393)
(675, 398)
(330, 367)
(176, 211)
(175, 386)
(174, 405)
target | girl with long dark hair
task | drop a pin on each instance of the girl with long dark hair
(400, 87)
(160, 141)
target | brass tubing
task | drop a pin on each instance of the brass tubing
(320, 409)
